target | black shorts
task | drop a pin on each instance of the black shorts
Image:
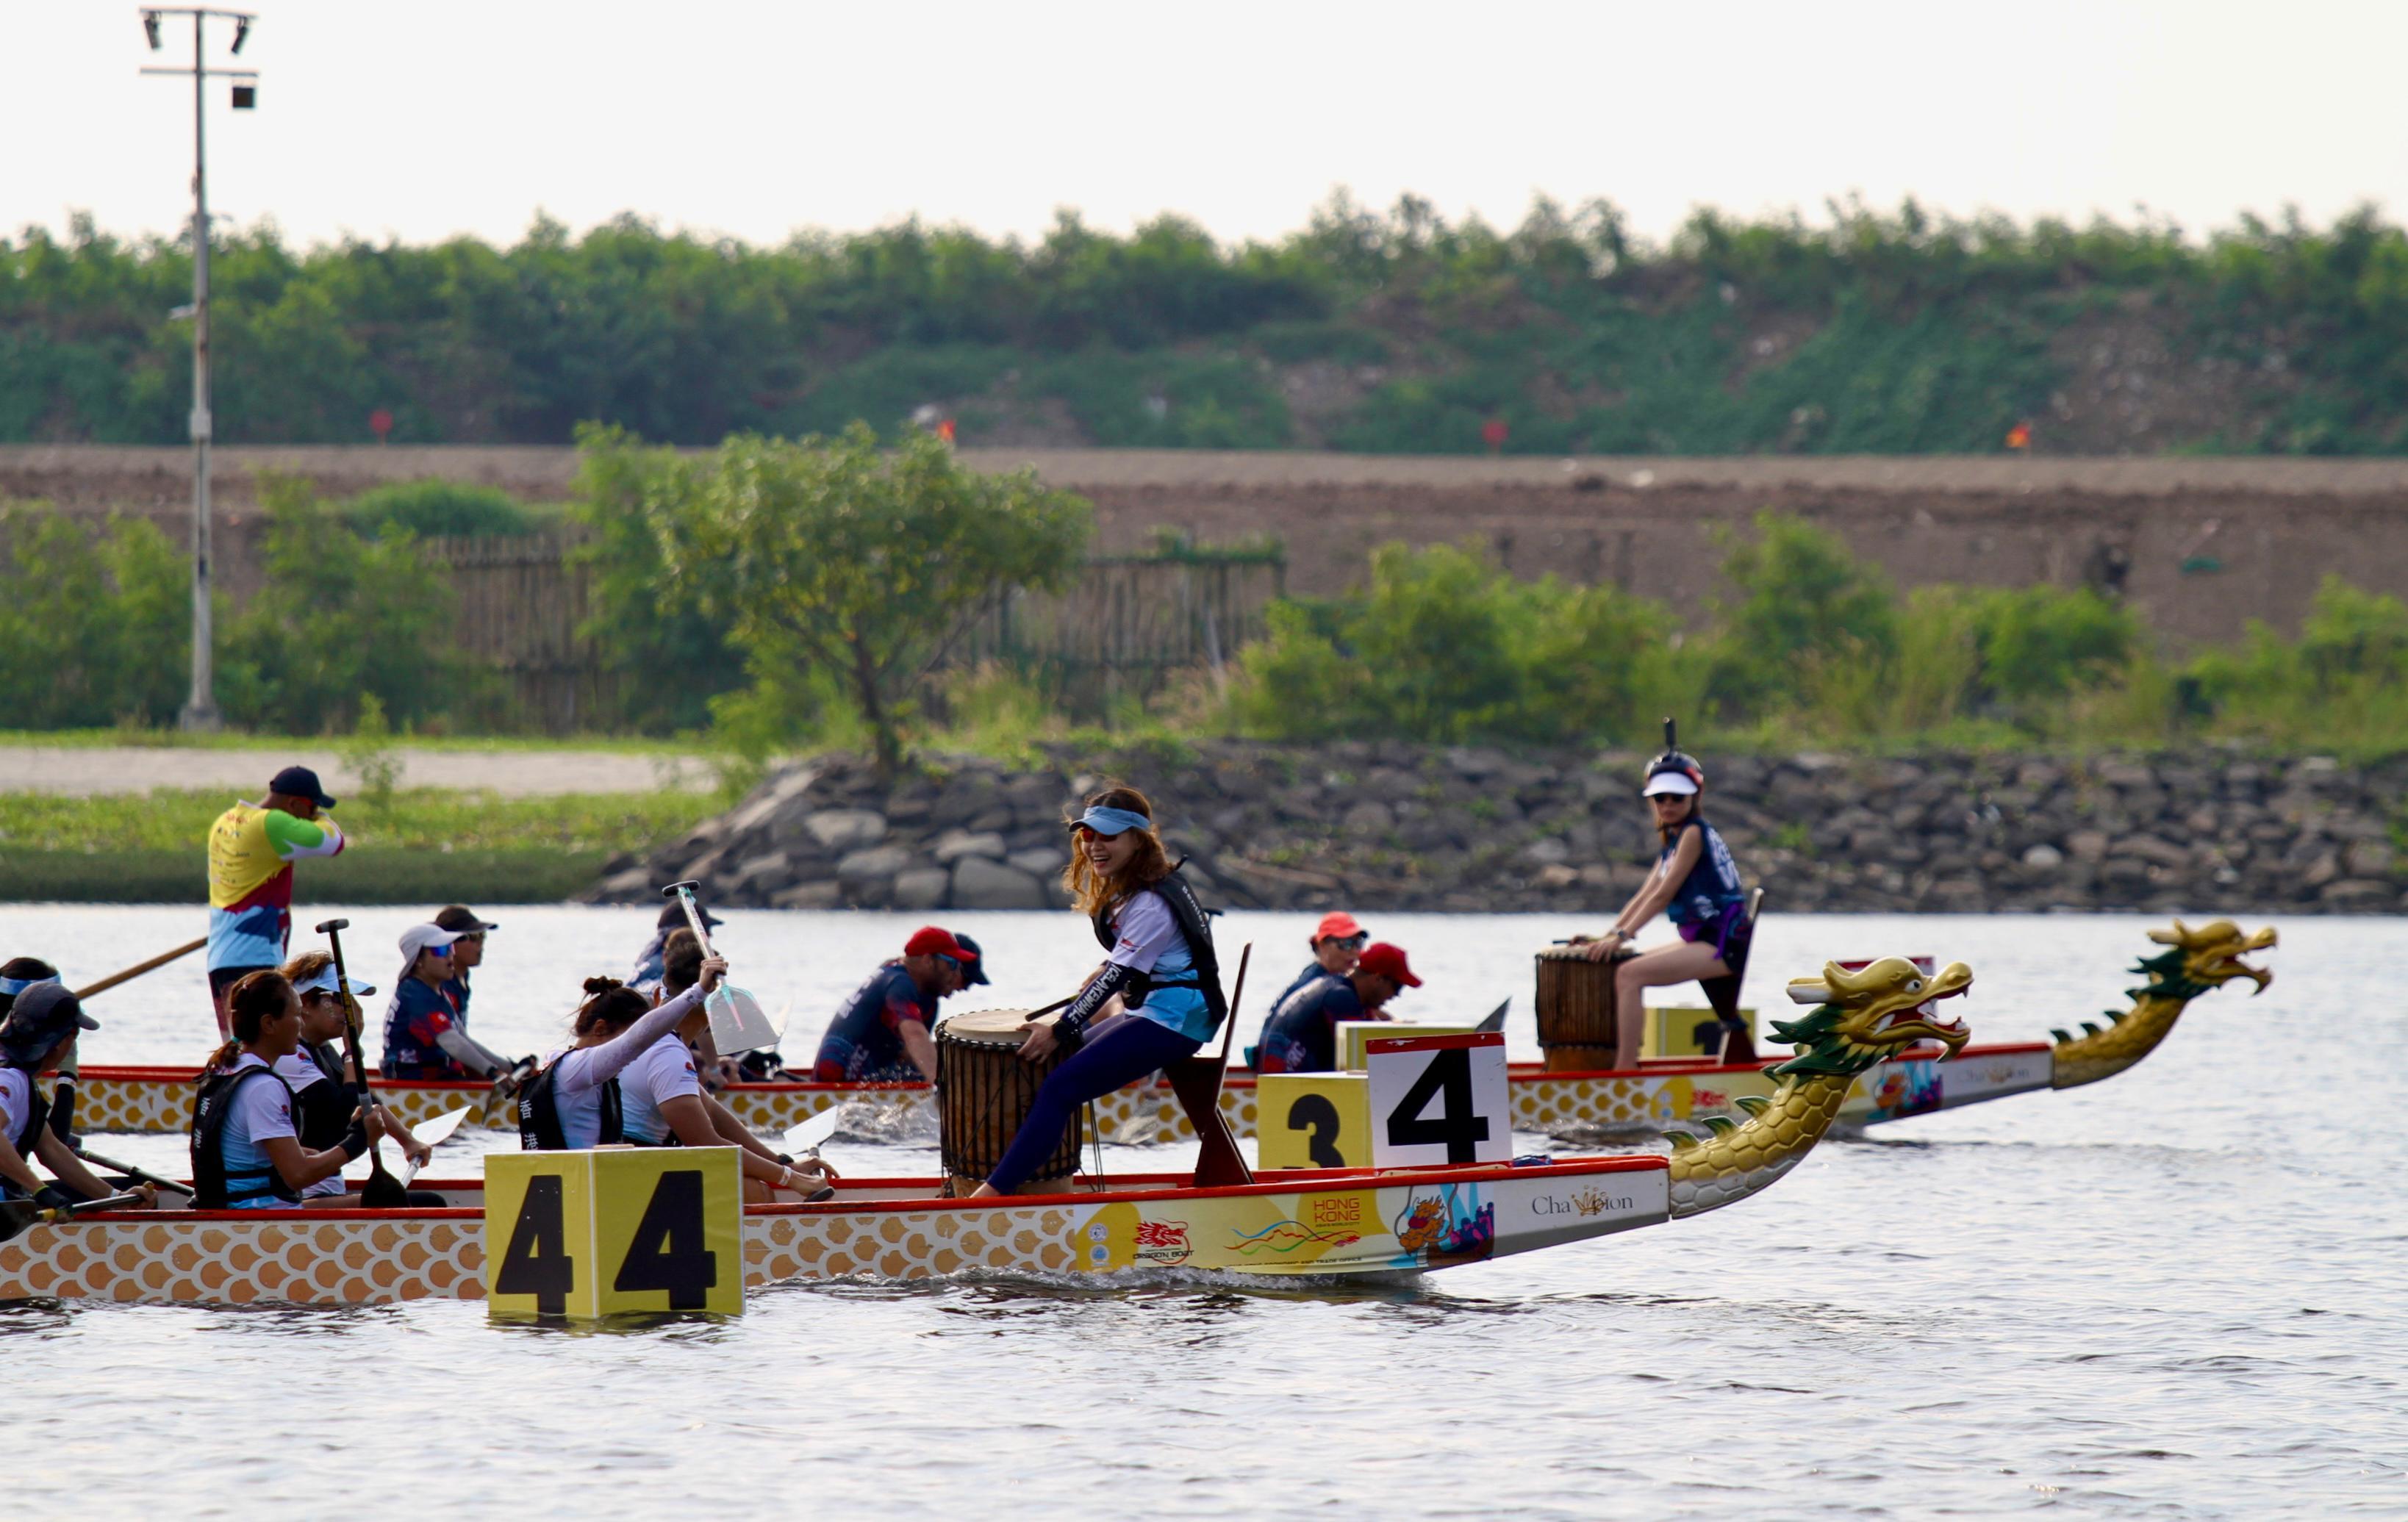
(223, 978)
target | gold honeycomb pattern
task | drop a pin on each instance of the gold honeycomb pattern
(225, 1262)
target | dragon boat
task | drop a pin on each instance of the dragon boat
(2193, 962)
(1313, 1222)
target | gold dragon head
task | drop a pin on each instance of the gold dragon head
(1873, 1012)
(2207, 957)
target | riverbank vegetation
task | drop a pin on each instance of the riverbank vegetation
(1862, 331)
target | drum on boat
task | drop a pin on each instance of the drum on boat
(1575, 999)
(984, 1092)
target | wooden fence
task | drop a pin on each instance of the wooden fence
(1121, 630)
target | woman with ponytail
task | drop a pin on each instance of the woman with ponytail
(1159, 964)
(246, 1154)
(578, 1098)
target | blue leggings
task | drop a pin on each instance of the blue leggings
(1118, 1051)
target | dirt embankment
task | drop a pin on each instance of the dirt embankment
(2200, 545)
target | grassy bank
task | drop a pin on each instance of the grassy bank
(417, 846)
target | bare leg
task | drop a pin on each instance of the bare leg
(1680, 962)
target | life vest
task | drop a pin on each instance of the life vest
(321, 1112)
(1712, 884)
(539, 1127)
(214, 1185)
(38, 1116)
(1196, 929)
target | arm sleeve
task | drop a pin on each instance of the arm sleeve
(605, 1062)
(1146, 931)
(471, 1054)
(296, 838)
(1071, 1029)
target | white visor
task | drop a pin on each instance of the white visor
(323, 982)
(1676, 783)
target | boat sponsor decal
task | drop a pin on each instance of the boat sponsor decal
(1162, 1244)
(1443, 1225)
(1289, 1238)
(1588, 1201)
(1906, 1088)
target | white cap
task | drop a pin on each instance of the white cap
(1675, 782)
(425, 938)
(323, 982)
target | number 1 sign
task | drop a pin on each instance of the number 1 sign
(1439, 1100)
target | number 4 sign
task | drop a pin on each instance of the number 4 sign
(595, 1233)
(1439, 1100)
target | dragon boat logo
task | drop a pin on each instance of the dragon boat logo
(1446, 1227)
(1162, 1244)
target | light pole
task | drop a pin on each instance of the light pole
(201, 709)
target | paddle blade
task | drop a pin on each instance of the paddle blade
(434, 1133)
(810, 1134)
(1495, 1020)
(738, 1023)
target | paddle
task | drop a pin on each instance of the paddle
(737, 1021)
(138, 1175)
(809, 1136)
(1496, 1018)
(141, 967)
(430, 1136)
(382, 1191)
(16, 1214)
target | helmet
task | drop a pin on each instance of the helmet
(1673, 768)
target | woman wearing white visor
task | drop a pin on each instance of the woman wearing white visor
(1695, 884)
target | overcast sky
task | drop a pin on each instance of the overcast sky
(421, 120)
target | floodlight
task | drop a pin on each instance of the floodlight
(241, 32)
(150, 28)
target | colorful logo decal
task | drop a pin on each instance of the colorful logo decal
(1446, 1227)
(1162, 1244)
(1288, 1239)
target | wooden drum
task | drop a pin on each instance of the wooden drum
(984, 1092)
(1575, 1009)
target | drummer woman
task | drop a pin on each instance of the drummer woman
(1160, 966)
(1696, 884)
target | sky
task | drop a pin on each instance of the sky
(420, 121)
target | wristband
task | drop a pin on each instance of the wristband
(786, 1178)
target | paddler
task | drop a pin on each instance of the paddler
(470, 930)
(247, 1150)
(660, 1102)
(881, 1033)
(1301, 1034)
(681, 971)
(1337, 942)
(17, 974)
(252, 847)
(647, 975)
(1159, 966)
(1696, 885)
(425, 1034)
(325, 1091)
(43, 1021)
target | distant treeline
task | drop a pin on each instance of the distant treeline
(1869, 332)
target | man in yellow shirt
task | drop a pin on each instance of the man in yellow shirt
(252, 847)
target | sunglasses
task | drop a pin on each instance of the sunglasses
(479, 936)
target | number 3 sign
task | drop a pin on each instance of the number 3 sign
(595, 1233)
(1439, 1100)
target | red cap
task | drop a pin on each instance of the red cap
(928, 940)
(1338, 926)
(1388, 962)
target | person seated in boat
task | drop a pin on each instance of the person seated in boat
(1696, 883)
(17, 974)
(43, 1021)
(646, 974)
(425, 1036)
(1300, 1036)
(470, 930)
(681, 970)
(881, 1033)
(660, 1102)
(1159, 969)
(1337, 942)
(325, 1091)
(246, 1150)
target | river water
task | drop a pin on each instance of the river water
(2178, 1292)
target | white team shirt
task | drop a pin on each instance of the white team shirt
(16, 1100)
(300, 1072)
(664, 1071)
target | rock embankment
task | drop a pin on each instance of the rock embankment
(1396, 826)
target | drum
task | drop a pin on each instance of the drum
(984, 1092)
(1575, 1009)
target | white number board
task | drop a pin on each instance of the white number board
(1439, 1100)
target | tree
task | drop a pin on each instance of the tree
(866, 562)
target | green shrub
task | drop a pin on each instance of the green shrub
(95, 624)
(433, 508)
(1805, 601)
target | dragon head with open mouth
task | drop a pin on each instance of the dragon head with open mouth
(2207, 957)
(1873, 1012)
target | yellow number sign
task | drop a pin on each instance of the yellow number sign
(1313, 1120)
(1686, 1031)
(620, 1228)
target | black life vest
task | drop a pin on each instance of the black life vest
(540, 1129)
(321, 1112)
(38, 1116)
(216, 1186)
(1196, 929)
